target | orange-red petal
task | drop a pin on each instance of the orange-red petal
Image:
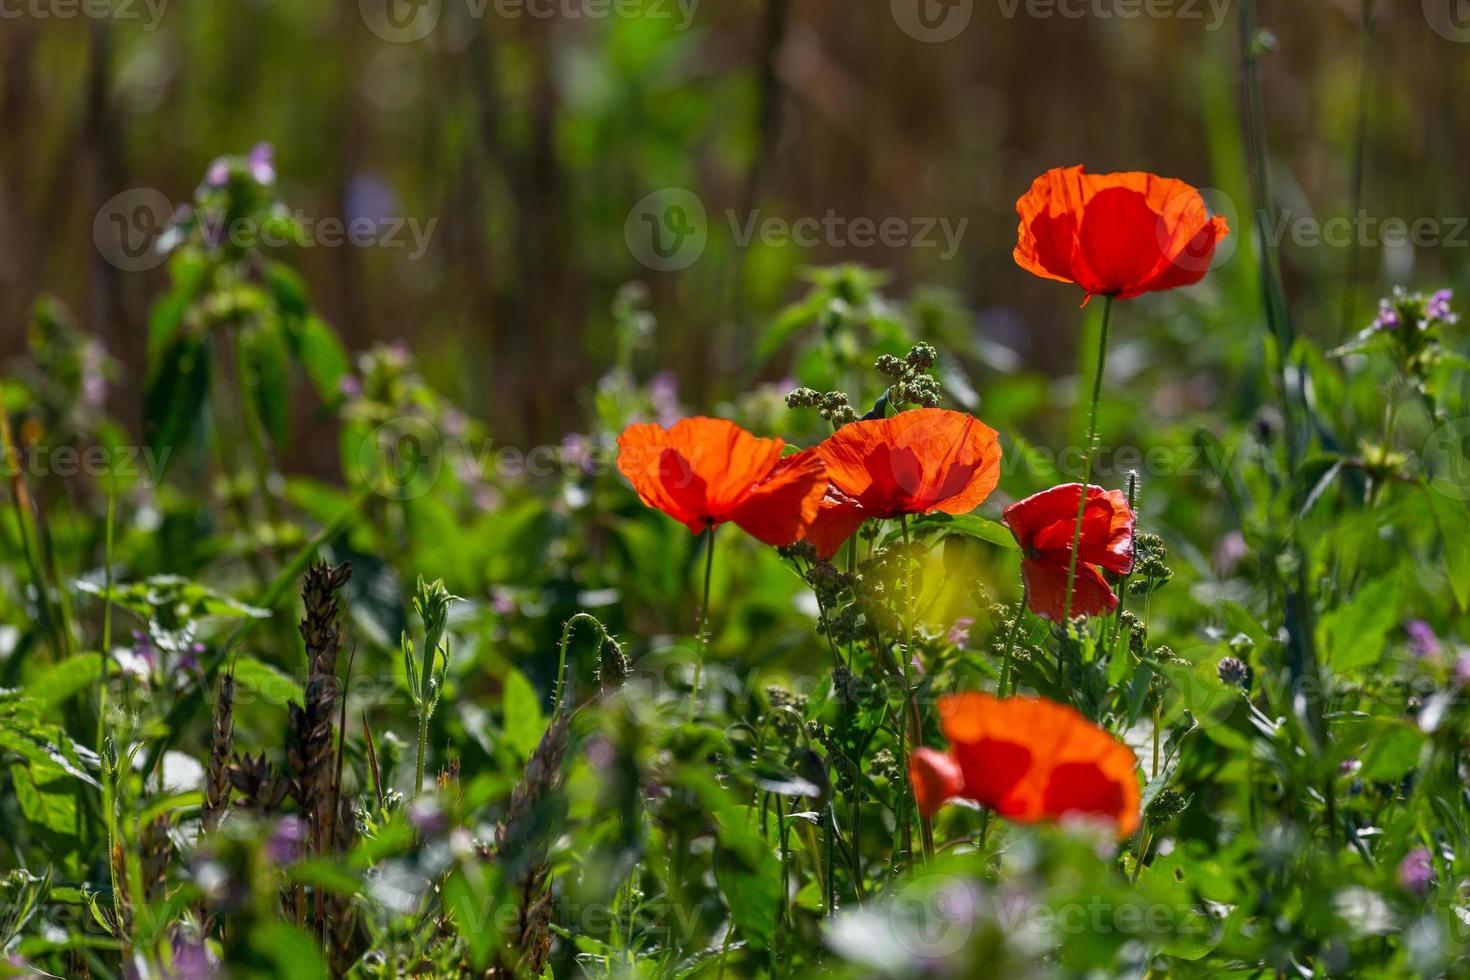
(704, 471)
(919, 461)
(780, 508)
(1033, 759)
(1120, 234)
(838, 518)
(936, 778)
(1046, 590)
(1045, 523)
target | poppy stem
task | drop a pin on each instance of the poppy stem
(699, 647)
(926, 828)
(1097, 378)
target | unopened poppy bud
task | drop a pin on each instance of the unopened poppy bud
(612, 665)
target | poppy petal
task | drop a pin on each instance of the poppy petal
(1045, 524)
(936, 778)
(782, 506)
(1118, 234)
(1046, 590)
(1034, 759)
(918, 461)
(838, 518)
(661, 475)
(700, 470)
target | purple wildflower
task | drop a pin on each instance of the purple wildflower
(1416, 871)
(284, 844)
(663, 392)
(1388, 316)
(1422, 639)
(1438, 307)
(1462, 668)
(262, 163)
(959, 633)
(218, 174)
(350, 385)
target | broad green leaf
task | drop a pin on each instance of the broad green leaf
(174, 397)
(1354, 635)
(1453, 519)
(524, 722)
(46, 797)
(972, 526)
(268, 378)
(56, 683)
(749, 877)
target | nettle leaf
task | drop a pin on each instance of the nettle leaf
(174, 397)
(524, 722)
(171, 604)
(267, 368)
(320, 351)
(1354, 635)
(47, 798)
(1453, 519)
(748, 874)
(59, 682)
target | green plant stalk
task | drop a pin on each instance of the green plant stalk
(926, 827)
(109, 787)
(561, 666)
(1097, 379)
(703, 640)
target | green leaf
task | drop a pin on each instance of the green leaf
(749, 877)
(524, 722)
(266, 363)
(57, 683)
(1354, 635)
(1453, 519)
(47, 798)
(1393, 750)
(174, 398)
(972, 526)
(261, 683)
(292, 951)
(320, 351)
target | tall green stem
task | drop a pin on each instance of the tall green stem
(926, 828)
(709, 564)
(1097, 379)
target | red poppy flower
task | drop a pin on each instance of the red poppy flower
(1030, 760)
(936, 778)
(1044, 525)
(919, 461)
(706, 471)
(1117, 235)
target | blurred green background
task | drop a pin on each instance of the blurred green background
(527, 134)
